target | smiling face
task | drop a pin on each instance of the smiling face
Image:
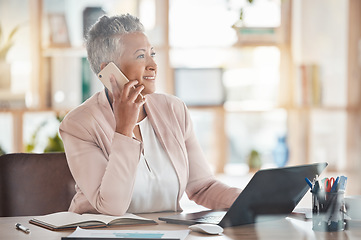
(136, 60)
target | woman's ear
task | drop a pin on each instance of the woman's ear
(103, 65)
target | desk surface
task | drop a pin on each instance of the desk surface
(285, 228)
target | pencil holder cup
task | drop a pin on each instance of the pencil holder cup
(328, 211)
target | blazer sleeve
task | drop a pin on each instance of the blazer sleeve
(202, 187)
(105, 180)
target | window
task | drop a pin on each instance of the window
(202, 37)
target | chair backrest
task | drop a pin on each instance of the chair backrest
(34, 184)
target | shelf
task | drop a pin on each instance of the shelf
(64, 52)
(253, 107)
(10, 100)
(324, 108)
(34, 110)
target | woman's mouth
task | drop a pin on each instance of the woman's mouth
(149, 78)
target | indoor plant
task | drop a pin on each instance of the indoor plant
(6, 42)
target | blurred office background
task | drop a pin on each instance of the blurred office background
(281, 86)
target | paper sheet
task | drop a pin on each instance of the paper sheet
(136, 234)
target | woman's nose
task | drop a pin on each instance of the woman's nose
(151, 68)
(152, 65)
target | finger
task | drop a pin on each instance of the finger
(115, 87)
(141, 102)
(128, 87)
(136, 93)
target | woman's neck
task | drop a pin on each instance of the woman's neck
(142, 114)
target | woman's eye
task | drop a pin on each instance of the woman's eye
(153, 54)
(141, 56)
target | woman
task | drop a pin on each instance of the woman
(131, 154)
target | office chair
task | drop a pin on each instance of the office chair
(34, 184)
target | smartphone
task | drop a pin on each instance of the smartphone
(105, 73)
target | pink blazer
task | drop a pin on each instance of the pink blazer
(104, 162)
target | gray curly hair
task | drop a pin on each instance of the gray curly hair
(103, 44)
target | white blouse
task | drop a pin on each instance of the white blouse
(156, 185)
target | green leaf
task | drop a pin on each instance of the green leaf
(241, 14)
(29, 148)
(2, 152)
(5, 46)
(55, 144)
(1, 34)
(4, 50)
(12, 33)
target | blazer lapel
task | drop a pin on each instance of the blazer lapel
(169, 141)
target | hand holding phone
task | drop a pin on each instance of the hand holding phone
(126, 116)
(107, 71)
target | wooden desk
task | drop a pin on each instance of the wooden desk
(286, 228)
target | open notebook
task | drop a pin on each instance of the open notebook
(70, 220)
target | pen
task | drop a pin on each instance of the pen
(22, 228)
(316, 187)
(335, 185)
(308, 182)
(342, 183)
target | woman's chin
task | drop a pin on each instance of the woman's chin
(148, 91)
